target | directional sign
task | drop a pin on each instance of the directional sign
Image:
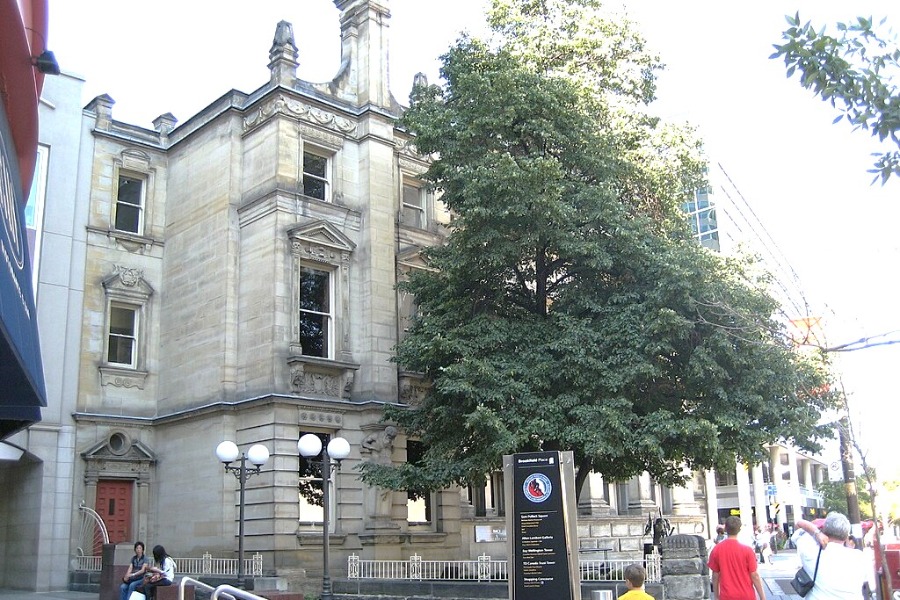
(835, 471)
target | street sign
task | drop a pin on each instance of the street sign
(772, 489)
(835, 471)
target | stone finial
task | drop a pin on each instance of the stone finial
(102, 107)
(164, 124)
(283, 55)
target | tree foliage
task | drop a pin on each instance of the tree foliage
(856, 71)
(570, 309)
(834, 495)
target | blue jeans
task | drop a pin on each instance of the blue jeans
(126, 588)
(149, 589)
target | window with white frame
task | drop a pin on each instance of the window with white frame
(316, 312)
(320, 305)
(413, 206)
(316, 181)
(129, 209)
(122, 340)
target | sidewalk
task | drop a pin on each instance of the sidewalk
(777, 576)
(62, 595)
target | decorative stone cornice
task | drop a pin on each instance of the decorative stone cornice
(282, 105)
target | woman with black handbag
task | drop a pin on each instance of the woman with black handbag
(838, 572)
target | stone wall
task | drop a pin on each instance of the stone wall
(684, 571)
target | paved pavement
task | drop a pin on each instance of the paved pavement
(63, 595)
(777, 576)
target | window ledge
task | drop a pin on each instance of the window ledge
(321, 377)
(122, 377)
(132, 242)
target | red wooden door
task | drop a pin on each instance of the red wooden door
(114, 507)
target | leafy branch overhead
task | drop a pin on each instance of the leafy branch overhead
(570, 308)
(856, 71)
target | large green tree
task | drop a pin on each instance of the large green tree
(570, 309)
(856, 70)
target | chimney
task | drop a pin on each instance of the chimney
(364, 51)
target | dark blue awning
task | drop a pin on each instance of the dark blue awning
(21, 374)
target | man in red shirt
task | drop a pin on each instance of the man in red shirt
(733, 566)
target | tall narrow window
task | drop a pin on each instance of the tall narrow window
(315, 312)
(315, 176)
(412, 211)
(310, 486)
(311, 490)
(418, 502)
(122, 341)
(130, 204)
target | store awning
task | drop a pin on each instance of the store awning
(21, 374)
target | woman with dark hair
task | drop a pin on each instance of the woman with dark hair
(135, 573)
(162, 573)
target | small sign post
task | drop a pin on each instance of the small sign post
(541, 526)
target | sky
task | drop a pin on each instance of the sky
(805, 177)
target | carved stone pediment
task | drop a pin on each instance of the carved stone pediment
(411, 258)
(118, 456)
(129, 451)
(320, 241)
(128, 283)
(135, 159)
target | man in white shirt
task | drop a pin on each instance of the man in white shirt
(841, 571)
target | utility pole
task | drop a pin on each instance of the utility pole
(850, 481)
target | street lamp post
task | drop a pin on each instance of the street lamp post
(338, 449)
(228, 452)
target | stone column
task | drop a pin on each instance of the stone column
(794, 498)
(760, 499)
(592, 500)
(683, 501)
(807, 474)
(712, 503)
(775, 471)
(743, 485)
(684, 572)
(640, 499)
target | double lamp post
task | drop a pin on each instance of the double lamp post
(310, 446)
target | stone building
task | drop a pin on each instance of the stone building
(232, 277)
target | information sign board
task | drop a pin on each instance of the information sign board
(541, 526)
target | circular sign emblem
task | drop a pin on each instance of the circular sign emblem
(537, 487)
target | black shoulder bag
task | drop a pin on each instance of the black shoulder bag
(801, 581)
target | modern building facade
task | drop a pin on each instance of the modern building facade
(782, 489)
(233, 277)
